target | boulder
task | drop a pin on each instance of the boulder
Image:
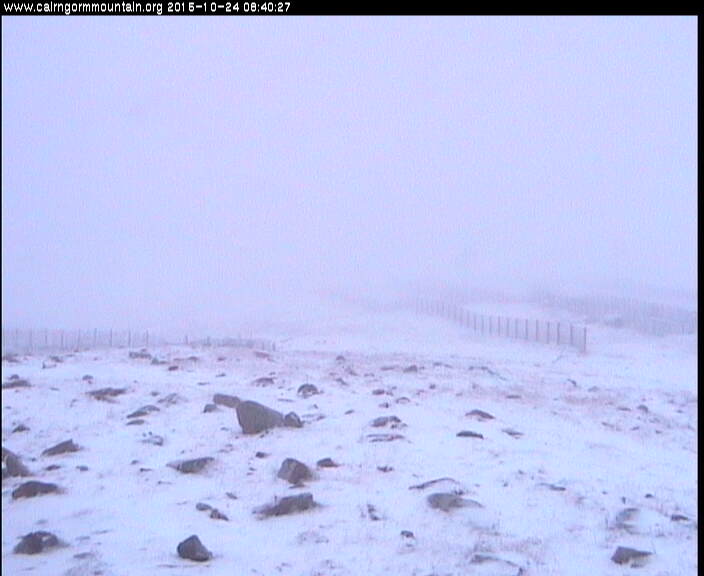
(13, 464)
(143, 411)
(292, 420)
(307, 390)
(447, 501)
(226, 400)
(254, 417)
(34, 488)
(469, 434)
(192, 549)
(36, 542)
(288, 505)
(191, 466)
(635, 558)
(62, 448)
(294, 471)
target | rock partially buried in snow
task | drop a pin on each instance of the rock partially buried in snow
(326, 463)
(13, 464)
(192, 549)
(209, 408)
(446, 501)
(292, 420)
(143, 411)
(484, 564)
(479, 415)
(636, 558)
(294, 471)
(226, 400)
(469, 434)
(191, 466)
(391, 421)
(307, 390)
(62, 448)
(254, 417)
(34, 488)
(105, 394)
(287, 505)
(36, 542)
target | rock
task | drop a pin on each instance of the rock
(479, 415)
(469, 434)
(62, 448)
(263, 381)
(20, 428)
(287, 505)
(226, 400)
(105, 394)
(393, 421)
(407, 534)
(87, 378)
(34, 488)
(307, 390)
(326, 463)
(171, 399)
(202, 507)
(172, 368)
(210, 408)
(412, 369)
(13, 465)
(623, 520)
(192, 466)
(291, 420)
(16, 383)
(446, 501)
(384, 437)
(254, 417)
(624, 555)
(260, 454)
(136, 422)
(155, 439)
(511, 432)
(487, 564)
(445, 482)
(143, 411)
(36, 542)
(294, 471)
(215, 514)
(192, 549)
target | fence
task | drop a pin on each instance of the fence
(19, 341)
(646, 317)
(532, 330)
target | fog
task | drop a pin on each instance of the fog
(179, 172)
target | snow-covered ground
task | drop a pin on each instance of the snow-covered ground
(574, 441)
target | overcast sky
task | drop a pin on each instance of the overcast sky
(160, 171)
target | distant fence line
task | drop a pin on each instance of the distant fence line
(21, 341)
(647, 317)
(532, 330)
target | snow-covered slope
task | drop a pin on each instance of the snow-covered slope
(573, 442)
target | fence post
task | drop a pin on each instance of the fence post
(95, 337)
(46, 338)
(110, 341)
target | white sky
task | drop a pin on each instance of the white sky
(179, 171)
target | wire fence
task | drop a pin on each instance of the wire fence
(526, 329)
(647, 317)
(23, 341)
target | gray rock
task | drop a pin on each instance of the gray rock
(62, 448)
(384, 437)
(36, 542)
(191, 466)
(210, 408)
(155, 439)
(624, 555)
(254, 417)
(136, 422)
(307, 390)
(496, 566)
(292, 420)
(105, 394)
(215, 514)
(171, 399)
(446, 501)
(469, 434)
(142, 355)
(202, 507)
(192, 549)
(13, 464)
(263, 381)
(16, 383)
(20, 428)
(326, 463)
(143, 411)
(288, 505)
(34, 488)
(294, 471)
(381, 421)
(226, 400)
(479, 415)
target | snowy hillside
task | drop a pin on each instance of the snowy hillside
(550, 460)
